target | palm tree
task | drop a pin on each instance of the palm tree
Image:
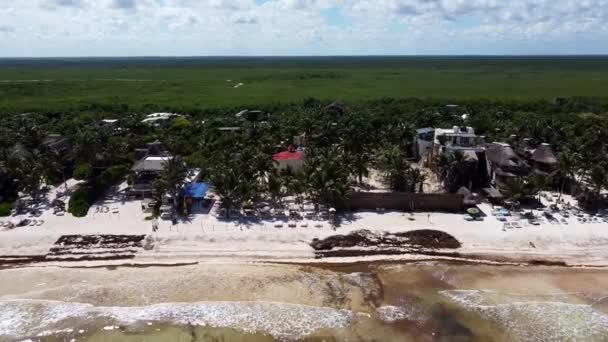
(443, 166)
(417, 178)
(395, 168)
(455, 170)
(87, 144)
(172, 177)
(232, 186)
(326, 177)
(536, 183)
(567, 164)
(31, 174)
(597, 178)
(524, 188)
(360, 165)
(514, 190)
(274, 186)
(357, 137)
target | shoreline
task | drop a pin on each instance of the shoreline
(520, 260)
(383, 299)
(124, 237)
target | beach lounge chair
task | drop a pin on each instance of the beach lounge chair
(319, 225)
(278, 225)
(115, 210)
(292, 224)
(266, 214)
(40, 223)
(309, 215)
(279, 213)
(33, 223)
(324, 215)
(304, 225)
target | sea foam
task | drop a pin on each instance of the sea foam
(19, 318)
(536, 318)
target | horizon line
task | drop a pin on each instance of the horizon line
(305, 56)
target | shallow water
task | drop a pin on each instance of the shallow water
(366, 302)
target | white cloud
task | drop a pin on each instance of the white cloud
(305, 27)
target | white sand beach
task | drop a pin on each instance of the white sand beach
(204, 237)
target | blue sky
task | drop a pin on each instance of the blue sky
(40, 28)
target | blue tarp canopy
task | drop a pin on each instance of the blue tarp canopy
(195, 190)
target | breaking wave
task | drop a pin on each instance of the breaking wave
(20, 318)
(392, 314)
(537, 318)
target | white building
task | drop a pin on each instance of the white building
(158, 119)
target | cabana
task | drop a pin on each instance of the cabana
(194, 195)
(494, 196)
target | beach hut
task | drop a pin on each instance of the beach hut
(504, 163)
(292, 158)
(543, 160)
(494, 196)
(194, 194)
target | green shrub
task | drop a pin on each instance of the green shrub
(86, 195)
(83, 171)
(5, 209)
(112, 174)
(79, 202)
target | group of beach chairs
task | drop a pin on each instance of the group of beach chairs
(266, 212)
(290, 216)
(22, 223)
(552, 216)
(105, 210)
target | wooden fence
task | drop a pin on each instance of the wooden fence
(403, 201)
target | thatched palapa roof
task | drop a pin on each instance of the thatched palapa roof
(503, 155)
(544, 154)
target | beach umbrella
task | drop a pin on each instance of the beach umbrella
(473, 211)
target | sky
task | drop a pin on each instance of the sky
(66, 28)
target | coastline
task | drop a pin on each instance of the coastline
(389, 301)
(204, 238)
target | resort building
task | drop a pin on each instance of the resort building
(58, 144)
(159, 119)
(251, 115)
(458, 138)
(462, 139)
(148, 168)
(108, 125)
(151, 165)
(504, 164)
(423, 143)
(543, 160)
(293, 158)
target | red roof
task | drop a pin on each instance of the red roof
(286, 155)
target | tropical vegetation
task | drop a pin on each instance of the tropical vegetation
(345, 143)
